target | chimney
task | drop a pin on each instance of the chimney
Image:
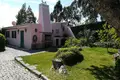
(44, 17)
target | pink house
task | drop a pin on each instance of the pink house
(43, 34)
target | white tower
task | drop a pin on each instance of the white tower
(44, 17)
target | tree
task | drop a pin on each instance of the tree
(87, 11)
(110, 10)
(21, 17)
(30, 16)
(56, 14)
(25, 16)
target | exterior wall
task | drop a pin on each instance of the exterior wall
(16, 41)
(27, 37)
(57, 33)
(55, 27)
(37, 33)
(44, 18)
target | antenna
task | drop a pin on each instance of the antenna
(44, 2)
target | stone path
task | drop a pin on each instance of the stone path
(10, 69)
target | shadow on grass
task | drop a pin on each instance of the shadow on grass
(52, 49)
(103, 73)
(110, 52)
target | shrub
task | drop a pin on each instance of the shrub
(2, 42)
(70, 56)
(72, 42)
(107, 44)
(83, 42)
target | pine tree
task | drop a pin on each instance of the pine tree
(56, 14)
(30, 16)
(21, 17)
(25, 16)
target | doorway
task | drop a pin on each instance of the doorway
(57, 42)
(22, 39)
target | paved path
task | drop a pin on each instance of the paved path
(10, 69)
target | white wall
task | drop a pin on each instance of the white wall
(16, 41)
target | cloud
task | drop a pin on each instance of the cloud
(7, 14)
(9, 9)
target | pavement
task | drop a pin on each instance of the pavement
(10, 69)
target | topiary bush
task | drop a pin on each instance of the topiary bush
(2, 42)
(70, 56)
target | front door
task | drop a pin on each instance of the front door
(22, 39)
(57, 42)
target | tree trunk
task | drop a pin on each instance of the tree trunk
(110, 10)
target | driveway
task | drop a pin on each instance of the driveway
(10, 69)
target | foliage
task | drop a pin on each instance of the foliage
(70, 56)
(56, 14)
(108, 34)
(110, 10)
(87, 37)
(107, 44)
(21, 17)
(72, 13)
(24, 16)
(66, 51)
(83, 42)
(88, 11)
(95, 56)
(72, 42)
(30, 16)
(2, 42)
(91, 26)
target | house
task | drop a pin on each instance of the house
(40, 35)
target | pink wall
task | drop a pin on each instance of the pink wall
(44, 18)
(27, 36)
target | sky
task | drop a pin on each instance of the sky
(10, 8)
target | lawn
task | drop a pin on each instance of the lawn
(97, 65)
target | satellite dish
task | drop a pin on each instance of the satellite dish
(13, 23)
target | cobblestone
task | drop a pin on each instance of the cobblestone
(10, 69)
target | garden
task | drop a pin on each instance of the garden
(97, 65)
(87, 57)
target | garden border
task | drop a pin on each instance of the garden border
(31, 69)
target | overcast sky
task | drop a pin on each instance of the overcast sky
(10, 8)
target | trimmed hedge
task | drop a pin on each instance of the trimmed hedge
(70, 56)
(2, 42)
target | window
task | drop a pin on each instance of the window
(7, 34)
(47, 37)
(35, 30)
(13, 34)
(57, 31)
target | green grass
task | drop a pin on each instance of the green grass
(97, 65)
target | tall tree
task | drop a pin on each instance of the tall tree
(21, 17)
(30, 16)
(87, 10)
(110, 10)
(57, 11)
